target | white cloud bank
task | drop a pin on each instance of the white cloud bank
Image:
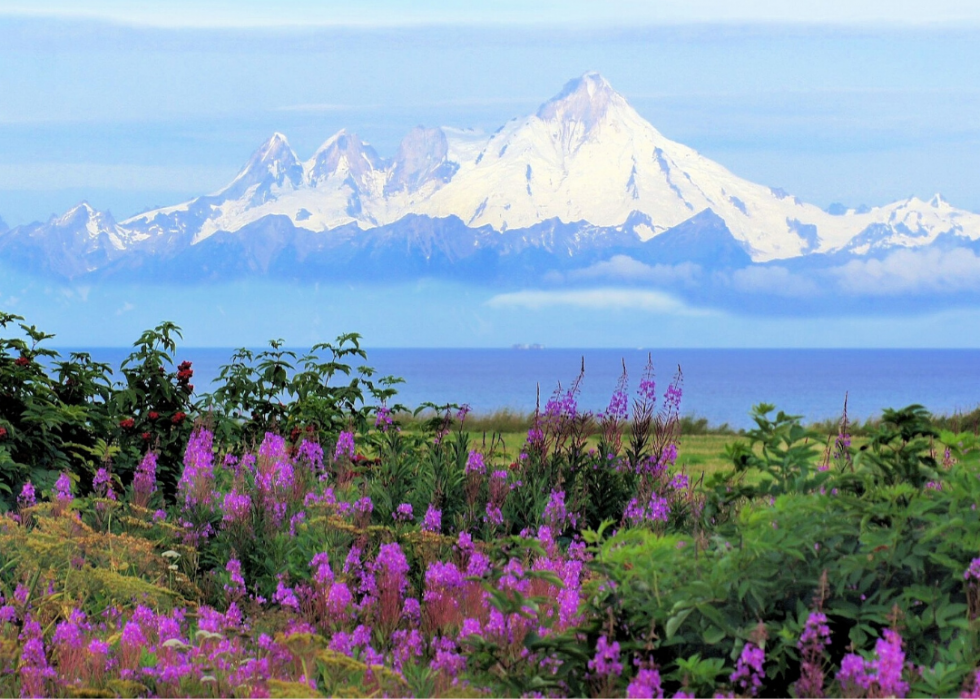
(594, 299)
(911, 271)
(625, 269)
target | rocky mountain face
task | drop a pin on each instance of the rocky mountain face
(583, 179)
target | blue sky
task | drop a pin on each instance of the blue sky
(132, 105)
(250, 13)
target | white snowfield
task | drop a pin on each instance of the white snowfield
(586, 155)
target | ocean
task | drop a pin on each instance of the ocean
(721, 385)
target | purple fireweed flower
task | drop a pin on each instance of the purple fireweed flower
(439, 578)
(364, 505)
(470, 627)
(340, 643)
(392, 565)
(145, 479)
(816, 633)
(339, 598)
(478, 565)
(672, 398)
(432, 521)
(555, 512)
(28, 495)
(236, 588)
(889, 664)
(854, 674)
(312, 454)
(447, 659)
(383, 420)
(8, 614)
(658, 509)
(361, 635)
(535, 436)
(645, 685)
(618, 407)
(132, 636)
(973, 572)
(475, 464)
(285, 596)
(748, 673)
(68, 634)
(646, 393)
(62, 488)
(352, 564)
(273, 447)
(403, 513)
(283, 475)
(322, 573)
(196, 484)
(493, 515)
(102, 484)
(973, 686)
(464, 542)
(606, 660)
(406, 646)
(680, 481)
(295, 521)
(34, 670)
(236, 508)
(160, 516)
(412, 610)
(345, 446)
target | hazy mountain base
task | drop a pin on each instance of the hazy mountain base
(698, 265)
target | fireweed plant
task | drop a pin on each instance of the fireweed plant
(300, 543)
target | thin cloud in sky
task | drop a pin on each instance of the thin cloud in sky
(250, 13)
(594, 299)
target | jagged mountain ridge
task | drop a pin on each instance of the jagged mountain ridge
(585, 160)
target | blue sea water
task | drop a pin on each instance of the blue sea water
(721, 385)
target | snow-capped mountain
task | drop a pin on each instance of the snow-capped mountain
(79, 241)
(585, 164)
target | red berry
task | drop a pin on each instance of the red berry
(3, 433)
(127, 424)
(146, 436)
(153, 415)
(178, 418)
(22, 361)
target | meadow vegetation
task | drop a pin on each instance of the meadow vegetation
(297, 532)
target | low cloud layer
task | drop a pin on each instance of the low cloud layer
(773, 280)
(593, 299)
(911, 271)
(622, 268)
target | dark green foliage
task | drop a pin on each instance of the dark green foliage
(276, 390)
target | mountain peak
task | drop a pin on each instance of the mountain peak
(82, 211)
(274, 163)
(276, 148)
(585, 99)
(344, 150)
(421, 158)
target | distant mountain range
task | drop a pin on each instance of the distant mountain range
(582, 182)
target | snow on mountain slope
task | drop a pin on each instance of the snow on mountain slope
(79, 241)
(585, 155)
